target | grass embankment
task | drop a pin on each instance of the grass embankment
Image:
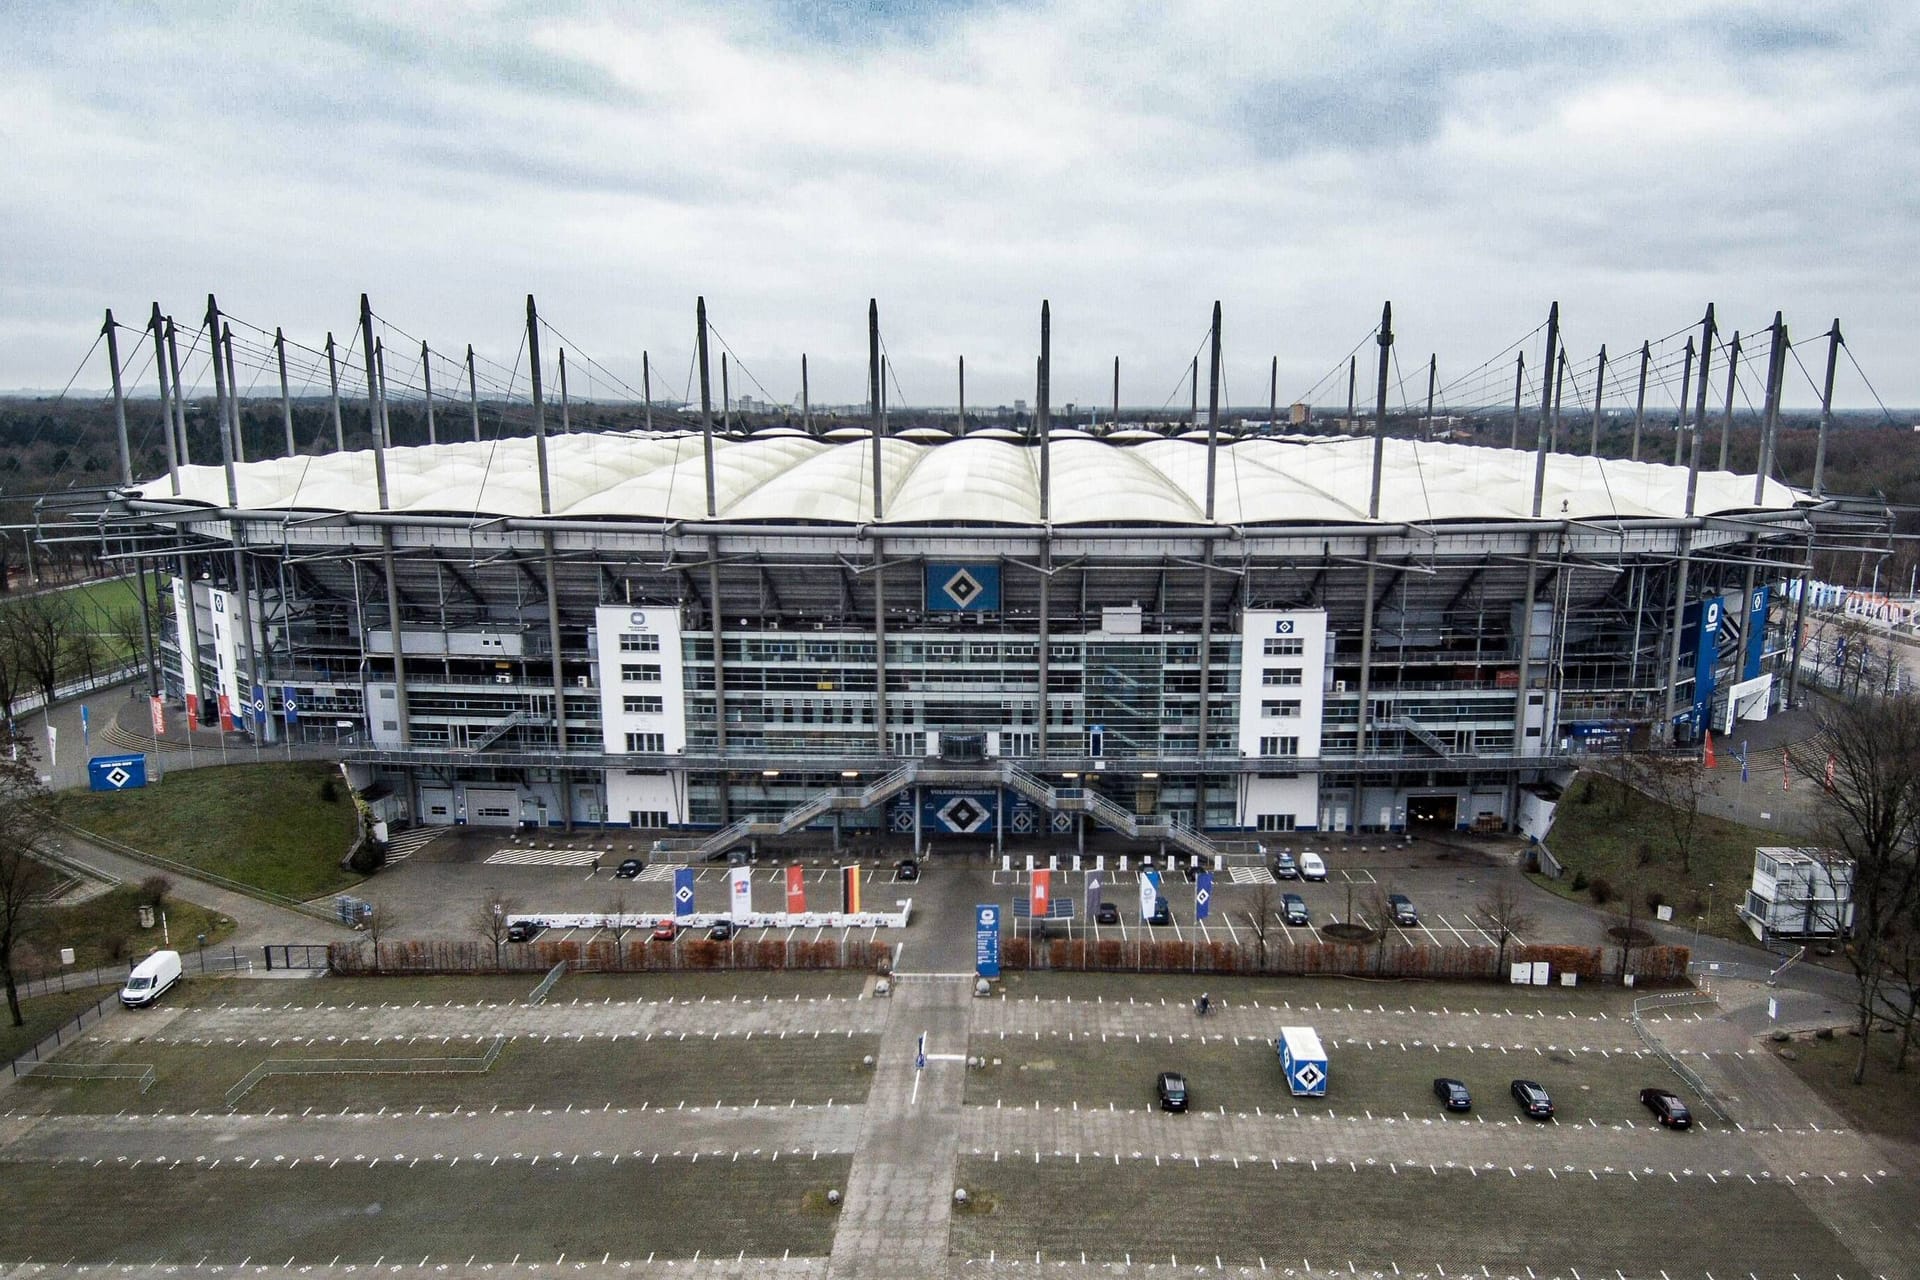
(267, 825)
(106, 930)
(1608, 835)
(1885, 1103)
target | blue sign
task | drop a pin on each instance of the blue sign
(958, 813)
(986, 940)
(117, 773)
(683, 891)
(1149, 894)
(1700, 633)
(259, 707)
(1202, 895)
(290, 705)
(1756, 632)
(963, 588)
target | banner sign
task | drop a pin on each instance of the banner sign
(226, 713)
(963, 588)
(850, 890)
(986, 940)
(290, 705)
(1756, 632)
(1094, 879)
(959, 813)
(1202, 895)
(259, 707)
(116, 773)
(683, 891)
(741, 879)
(1149, 893)
(1041, 892)
(796, 890)
(157, 714)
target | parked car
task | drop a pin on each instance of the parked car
(523, 930)
(629, 869)
(1312, 867)
(722, 931)
(1293, 908)
(1453, 1094)
(1532, 1099)
(1403, 910)
(666, 931)
(1284, 867)
(1667, 1108)
(906, 869)
(1162, 913)
(1106, 913)
(739, 857)
(1172, 1088)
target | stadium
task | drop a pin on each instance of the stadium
(1181, 633)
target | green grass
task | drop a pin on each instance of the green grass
(42, 1014)
(106, 929)
(1413, 1220)
(360, 1212)
(1598, 831)
(261, 824)
(1885, 1103)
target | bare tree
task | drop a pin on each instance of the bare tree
(1260, 918)
(25, 832)
(619, 924)
(1676, 784)
(492, 920)
(1502, 914)
(378, 921)
(39, 628)
(1870, 815)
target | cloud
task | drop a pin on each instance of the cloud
(961, 161)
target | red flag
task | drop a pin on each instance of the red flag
(226, 713)
(157, 710)
(1042, 890)
(193, 710)
(1829, 773)
(1709, 753)
(797, 890)
(1783, 768)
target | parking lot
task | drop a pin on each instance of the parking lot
(634, 1123)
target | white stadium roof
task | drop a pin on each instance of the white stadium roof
(972, 480)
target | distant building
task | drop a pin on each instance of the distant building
(1299, 414)
(1799, 893)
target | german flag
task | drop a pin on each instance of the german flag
(850, 890)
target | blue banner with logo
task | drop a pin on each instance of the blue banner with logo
(1149, 894)
(290, 705)
(259, 707)
(683, 891)
(986, 940)
(958, 813)
(1700, 633)
(1202, 895)
(963, 588)
(1756, 632)
(117, 773)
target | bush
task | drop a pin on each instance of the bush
(1655, 900)
(1579, 882)
(369, 857)
(330, 790)
(1602, 890)
(154, 890)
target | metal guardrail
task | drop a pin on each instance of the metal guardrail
(62, 1033)
(364, 1066)
(1672, 1000)
(140, 1071)
(539, 993)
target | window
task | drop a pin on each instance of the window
(640, 672)
(641, 705)
(1280, 707)
(646, 817)
(1283, 675)
(647, 743)
(1017, 744)
(1283, 646)
(1279, 746)
(1275, 822)
(631, 643)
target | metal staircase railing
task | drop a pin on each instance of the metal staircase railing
(501, 730)
(1420, 733)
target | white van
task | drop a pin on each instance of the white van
(150, 979)
(1311, 867)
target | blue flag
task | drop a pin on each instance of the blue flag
(1743, 759)
(291, 706)
(259, 707)
(683, 891)
(86, 738)
(1202, 895)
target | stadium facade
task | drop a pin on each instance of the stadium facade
(1178, 634)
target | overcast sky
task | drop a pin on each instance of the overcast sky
(960, 162)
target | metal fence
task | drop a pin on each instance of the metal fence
(1676, 1000)
(141, 1071)
(62, 1034)
(539, 994)
(629, 955)
(363, 1066)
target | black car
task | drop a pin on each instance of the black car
(629, 869)
(722, 931)
(1106, 913)
(1401, 906)
(1162, 913)
(1453, 1094)
(1667, 1108)
(1293, 908)
(523, 931)
(906, 869)
(1284, 867)
(1533, 1099)
(1172, 1088)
